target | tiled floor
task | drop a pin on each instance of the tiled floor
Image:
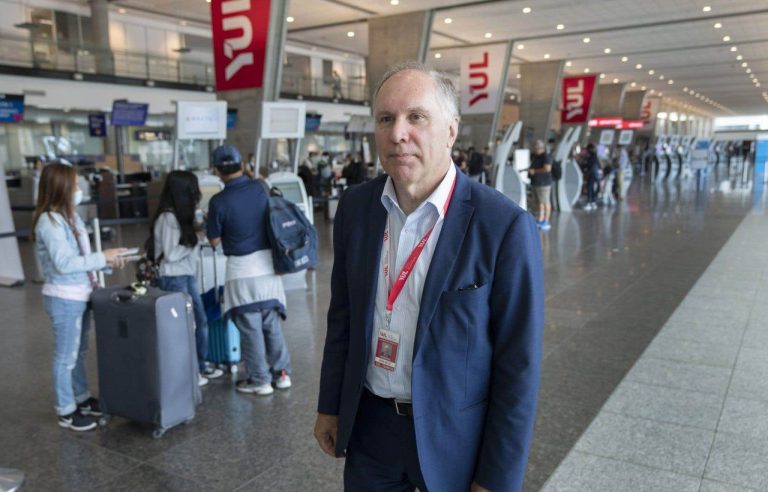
(614, 278)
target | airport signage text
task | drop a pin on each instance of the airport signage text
(240, 31)
(11, 108)
(481, 70)
(616, 122)
(576, 98)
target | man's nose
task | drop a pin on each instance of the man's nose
(400, 129)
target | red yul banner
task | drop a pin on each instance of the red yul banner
(240, 31)
(576, 98)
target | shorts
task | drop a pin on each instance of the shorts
(540, 194)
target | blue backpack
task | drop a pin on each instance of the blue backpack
(293, 238)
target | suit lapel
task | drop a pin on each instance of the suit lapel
(372, 243)
(444, 259)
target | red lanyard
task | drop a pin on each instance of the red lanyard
(405, 272)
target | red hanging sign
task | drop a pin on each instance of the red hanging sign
(240, 31)
(576, 98)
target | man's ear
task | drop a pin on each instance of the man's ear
(453, 131)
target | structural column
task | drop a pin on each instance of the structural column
(539, 94)
(100, 46)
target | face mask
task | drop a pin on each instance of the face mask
(78, 197)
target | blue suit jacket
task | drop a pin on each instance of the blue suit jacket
(477, 352)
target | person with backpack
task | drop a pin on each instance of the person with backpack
(540, 172)
(594, 173)
(174, 245)
(68, 265)
(254, 299)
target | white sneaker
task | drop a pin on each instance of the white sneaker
(247, 386)
(284, 381)
(201, 381)
(212, 372)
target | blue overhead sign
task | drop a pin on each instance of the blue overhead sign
(125, 113)
(11, 108)
(97, 125)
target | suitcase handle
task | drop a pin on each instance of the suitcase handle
(130, 294)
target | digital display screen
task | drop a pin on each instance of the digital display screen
(11, 108)
(129, 114)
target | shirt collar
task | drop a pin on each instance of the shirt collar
(236, 181)
(437, 198)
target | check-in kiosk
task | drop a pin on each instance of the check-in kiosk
(678, 153)
(292, 188)
(508, 179)
(668, 147)
(568, 188)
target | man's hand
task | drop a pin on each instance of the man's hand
(326, 427)
(477, 488)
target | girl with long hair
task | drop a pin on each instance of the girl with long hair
(175, 245)
(68, 265)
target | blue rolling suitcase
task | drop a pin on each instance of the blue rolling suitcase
(223, 337)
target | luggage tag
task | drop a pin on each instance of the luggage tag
(386, 350)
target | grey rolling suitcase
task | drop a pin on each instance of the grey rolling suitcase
(146, 355)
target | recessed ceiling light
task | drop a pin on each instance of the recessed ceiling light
(726, 39)
(394, 2)
(526, 10)
(546, 56)
(351, 34)
(745, 64)
(183, 23)
(521, 46)
(739, 57)
(624, 59)
(757, 85)
(733, 49)
(207, 1)
(685, 89)
(751, 76)
(518, 76)
(568, 64)
(639, 66)
(749, 70)
(289, 19)
(488, 35)
(448, 20)
(121, 11)
(706, 9)
(717, 25)
(602, 75)
(438, 55)
(670, 82)
(586, 40)
(586, 70)
(643, 88)
(560, 27)
(652, 91)
(615, 81)
(661, 93)
(651, 72)
(607, 50)
(633, 84)
(661, 77)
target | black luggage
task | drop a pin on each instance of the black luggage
(146, 355)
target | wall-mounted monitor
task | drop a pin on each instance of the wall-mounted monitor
(283, 120)
(201, 120)
(126, 113)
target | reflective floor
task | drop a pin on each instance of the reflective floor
(613, 279)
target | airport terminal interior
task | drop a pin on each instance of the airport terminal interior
(654, 372)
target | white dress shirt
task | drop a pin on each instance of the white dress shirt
(405, 233)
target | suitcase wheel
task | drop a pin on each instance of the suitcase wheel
(158, 433)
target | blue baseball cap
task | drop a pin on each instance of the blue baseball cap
(225, 155)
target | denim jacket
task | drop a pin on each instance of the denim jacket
(59, 254)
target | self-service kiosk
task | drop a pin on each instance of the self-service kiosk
(568, 188)
(507, 178)
(660, 158)
(669, 150)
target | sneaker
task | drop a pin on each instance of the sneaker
(545, 225)
(212, 372)
(90, 407)
(249, 386)
(201, 381)
(284, 381)
(77, 422)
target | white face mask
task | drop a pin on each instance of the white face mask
(78, 197)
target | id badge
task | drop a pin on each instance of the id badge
(386, 350)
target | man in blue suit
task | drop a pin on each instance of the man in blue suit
(431, 365)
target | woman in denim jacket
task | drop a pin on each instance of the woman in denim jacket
(68, 265)
(175, 245)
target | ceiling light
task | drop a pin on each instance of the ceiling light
(207, 1)
(448, 20)
(670, 82)
(726, 39)
(661, 93)
(586, 70)
(586, 40)
(394, 2)
(546, 56)
(121, 11)
(639, 66)
(661, 77)
(518, 76)
(739, 57)
(624, 59)
(757, 85)
(438, 55)
(706, 9)
(607, 50)
(289, 19)
(526, 10)
(183, 23)
(751, 76)
(745, 65)
(488, 35)
(568, 64)
(351, 34)
(560, 27)
(685, 89)
(651, 72)
(633, 84)
(602, 75)
(717, 25)
(652, 91)
(749, 70)
(615, 81)
(521, 46)
(734, 49)
(643, 88)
